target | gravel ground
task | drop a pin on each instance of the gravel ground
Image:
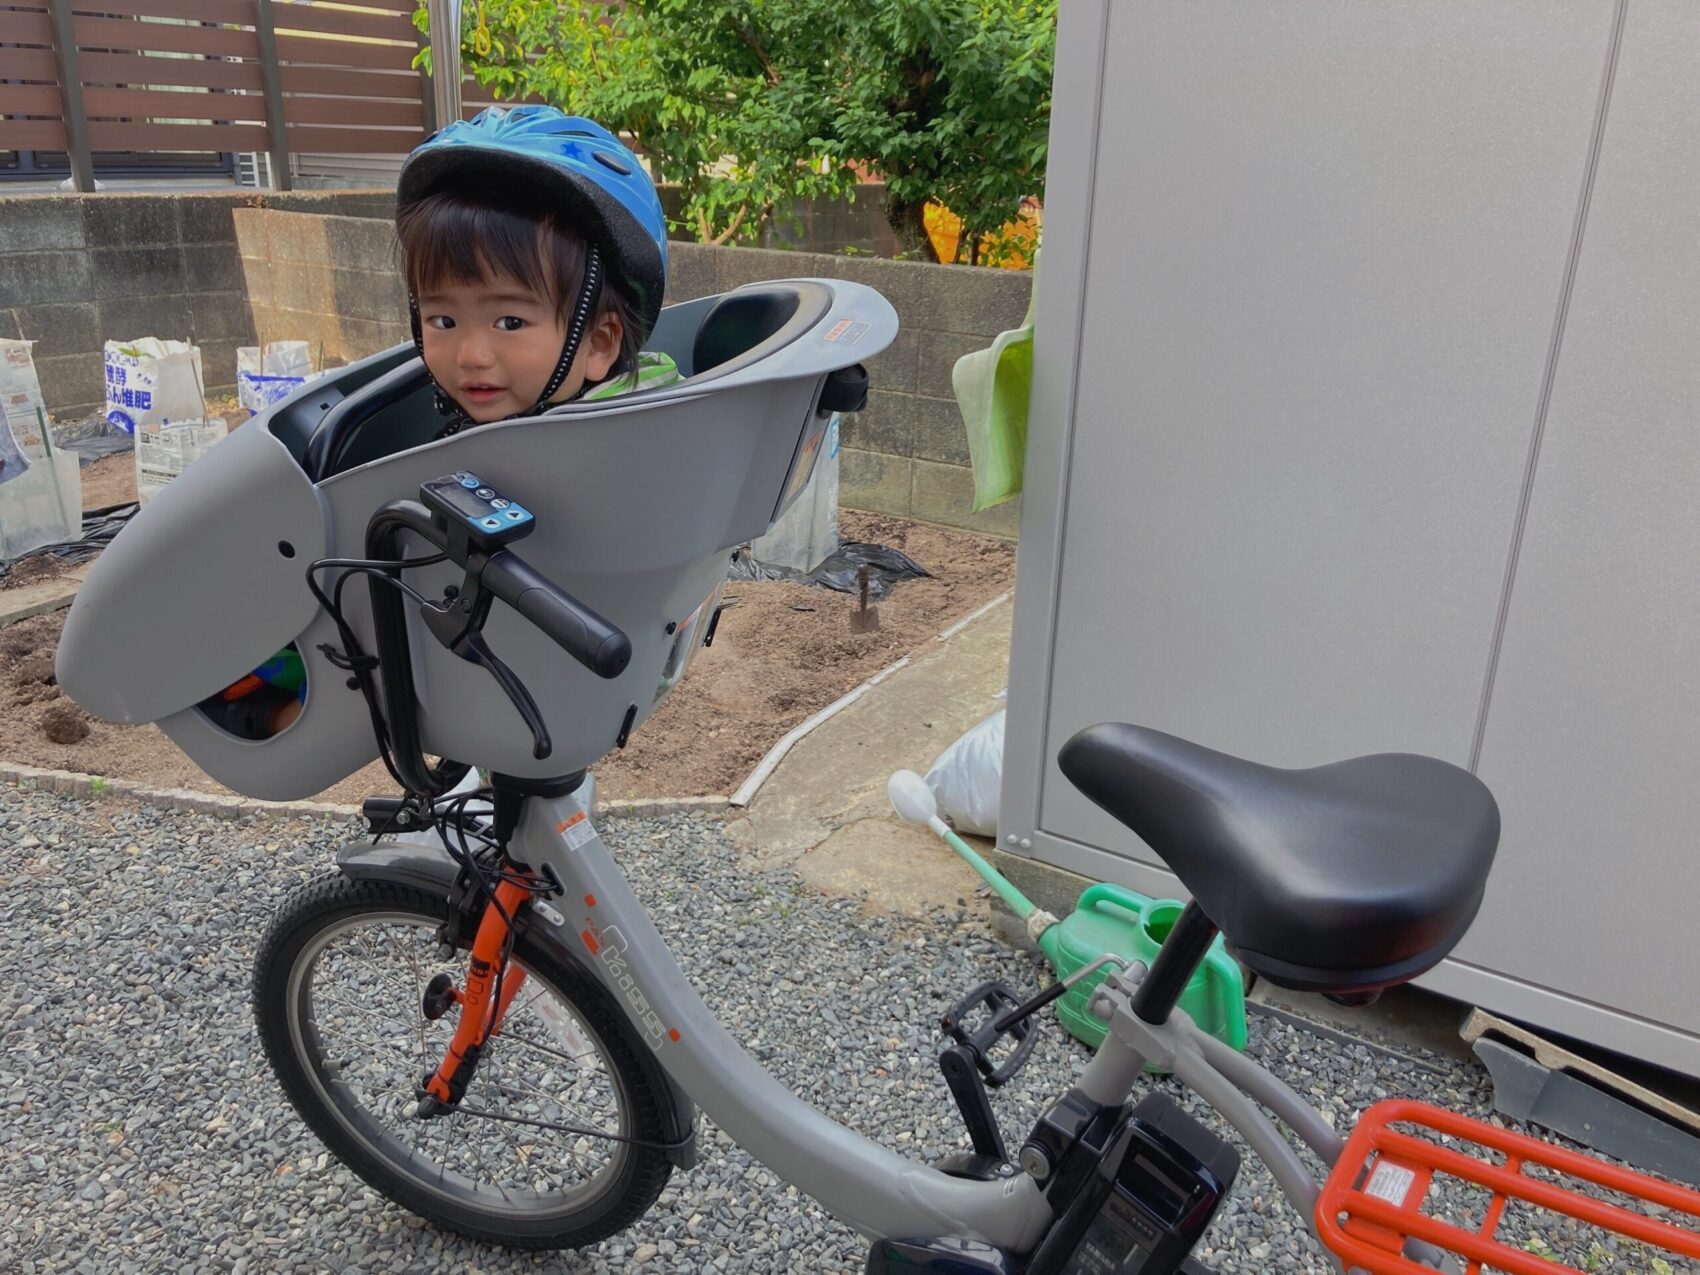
(143, 1132)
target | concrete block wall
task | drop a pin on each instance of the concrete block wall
(79, 270)
(329, 281)
(332, 280)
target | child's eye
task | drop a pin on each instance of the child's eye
(510, 323)
(441, 322)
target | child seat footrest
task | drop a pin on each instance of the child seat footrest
(1373, 1201)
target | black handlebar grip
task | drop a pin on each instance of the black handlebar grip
(580, 632)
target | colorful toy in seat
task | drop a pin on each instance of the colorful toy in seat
(284, 671)
(264, 702)
(1107, 919)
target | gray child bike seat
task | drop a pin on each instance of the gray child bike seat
(639, 501)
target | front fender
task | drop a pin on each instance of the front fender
(429, 868)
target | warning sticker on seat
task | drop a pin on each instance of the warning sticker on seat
(1390, 1182)
(846, 332)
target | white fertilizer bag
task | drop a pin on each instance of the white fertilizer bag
(260, 382)
(164, 451)
(967, 776)
(20, 399)
(153, 382)
(41, 495)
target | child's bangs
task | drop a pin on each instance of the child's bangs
(447, 241)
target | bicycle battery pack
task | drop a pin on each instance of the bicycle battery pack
(1154, 1195)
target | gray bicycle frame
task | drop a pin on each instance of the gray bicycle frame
(872, 1189)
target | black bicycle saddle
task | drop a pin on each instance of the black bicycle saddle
(1346, 878)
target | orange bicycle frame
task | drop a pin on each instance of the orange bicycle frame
(480, 1014)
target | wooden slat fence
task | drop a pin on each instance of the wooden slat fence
(278, 76)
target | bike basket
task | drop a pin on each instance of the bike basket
(1389, 1178)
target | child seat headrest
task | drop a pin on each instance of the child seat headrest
(739, 322)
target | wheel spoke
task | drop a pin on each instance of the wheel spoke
(419, 995)
(362, 1010)
(506, 1035)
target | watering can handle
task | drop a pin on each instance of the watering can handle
(1116, 896)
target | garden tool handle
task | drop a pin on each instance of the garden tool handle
(583, 634)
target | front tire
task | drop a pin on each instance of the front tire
(339, 989)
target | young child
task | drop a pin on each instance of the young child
(534, 250)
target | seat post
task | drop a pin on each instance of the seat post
(1181, 954)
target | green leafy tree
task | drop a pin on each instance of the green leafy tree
(951, 101)
(723, 98)
(749, 105)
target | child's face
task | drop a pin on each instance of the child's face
(493, 345)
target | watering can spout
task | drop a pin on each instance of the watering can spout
(911, 798)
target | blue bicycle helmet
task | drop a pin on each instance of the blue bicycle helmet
(600, 185)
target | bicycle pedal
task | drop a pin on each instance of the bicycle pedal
(998, 1002)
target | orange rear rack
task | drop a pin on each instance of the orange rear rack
(1373, 1200)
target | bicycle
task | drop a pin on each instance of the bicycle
(1347, 879)
(396, 995)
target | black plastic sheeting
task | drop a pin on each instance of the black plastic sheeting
(886, 567)
(92, 439)
(99, 527)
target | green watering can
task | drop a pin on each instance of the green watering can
(1107, 920)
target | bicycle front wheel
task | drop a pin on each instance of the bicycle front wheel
(557, 1141)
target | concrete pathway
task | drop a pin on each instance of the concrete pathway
(38, 599)
(824, 809)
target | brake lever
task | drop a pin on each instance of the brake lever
(472, 646)
(459, 626)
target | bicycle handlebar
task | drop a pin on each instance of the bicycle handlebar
(579, 631)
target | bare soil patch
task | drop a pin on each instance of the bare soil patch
(111, 480)
(782, 652)
(33, 571)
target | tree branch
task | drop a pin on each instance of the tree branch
(731, 228)
(749, 37)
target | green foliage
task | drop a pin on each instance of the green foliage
(749, 105)
(951, 101)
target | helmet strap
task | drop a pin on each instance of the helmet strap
(589, 292)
